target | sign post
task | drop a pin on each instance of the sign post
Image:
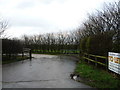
(114, 62)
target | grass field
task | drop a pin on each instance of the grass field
(55, 52)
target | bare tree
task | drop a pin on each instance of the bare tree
(3, 26)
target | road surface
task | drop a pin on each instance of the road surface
(43, 71)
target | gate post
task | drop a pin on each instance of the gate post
(30, 53)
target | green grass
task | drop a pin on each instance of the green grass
(96, 77)
(18, 58)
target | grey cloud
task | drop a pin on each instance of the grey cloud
(27, 4)
(33, 23)
(50, 1)
(31, 3)
(46, 1)
(29, 21)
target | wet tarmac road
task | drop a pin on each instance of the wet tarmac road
(43, 71)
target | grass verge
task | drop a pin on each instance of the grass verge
(96, 77)
(19, 58)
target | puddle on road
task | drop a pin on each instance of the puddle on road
(43, 56)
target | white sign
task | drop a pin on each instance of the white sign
(114, 62)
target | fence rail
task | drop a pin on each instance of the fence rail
(101, 60)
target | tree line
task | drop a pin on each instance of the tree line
(53, 42)
(100, 33)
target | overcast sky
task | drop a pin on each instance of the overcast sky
(43, 16)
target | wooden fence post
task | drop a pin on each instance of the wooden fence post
(106, 62)
(88, 57)
(96, 62)
(82, 56)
